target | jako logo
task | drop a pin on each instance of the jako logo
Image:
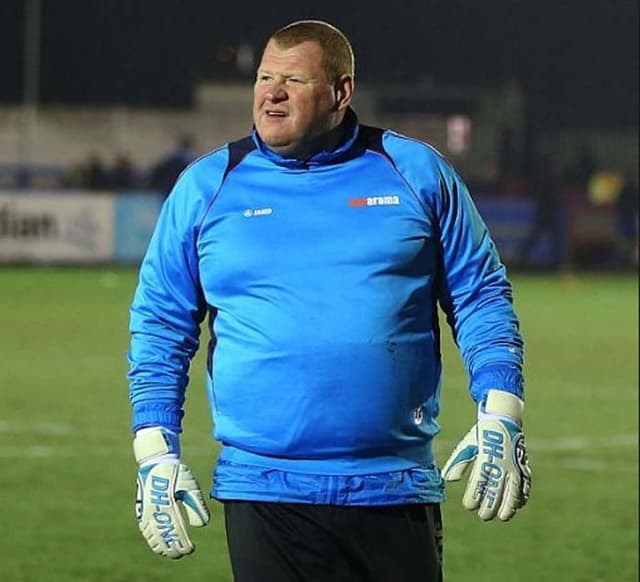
(249, 212)
(375, 201)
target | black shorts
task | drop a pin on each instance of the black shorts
(289, 542)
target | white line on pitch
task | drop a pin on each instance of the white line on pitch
(562, 443)
(588, 466)
(52, 452)
(578, 443)
(41, 428)
(66, 450)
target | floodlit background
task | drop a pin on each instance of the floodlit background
(101, 103)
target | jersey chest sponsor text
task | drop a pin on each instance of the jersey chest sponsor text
(391, 200)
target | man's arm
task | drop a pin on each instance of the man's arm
(167, 310)
(475, 294)
(477, 299)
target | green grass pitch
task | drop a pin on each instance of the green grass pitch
(67, 473)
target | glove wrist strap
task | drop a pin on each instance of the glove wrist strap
(155, 442)
(499, 404)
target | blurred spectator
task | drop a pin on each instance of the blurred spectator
(627, 221)
(123, 174)
(548, 213)
(511, 120)
(165, 173)
(508, 159)
(584, 166)
(94, 174)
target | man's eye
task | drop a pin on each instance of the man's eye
(264, 78)
(295, 80)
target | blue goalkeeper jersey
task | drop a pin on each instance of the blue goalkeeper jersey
(321, 279)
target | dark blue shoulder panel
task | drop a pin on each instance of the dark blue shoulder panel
(371, 138)
(237, 152)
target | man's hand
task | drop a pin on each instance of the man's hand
(164, 484)
(500, 480)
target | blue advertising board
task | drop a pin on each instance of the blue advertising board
(135, 216)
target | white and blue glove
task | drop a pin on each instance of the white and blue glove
(164, 486)
(500, 480)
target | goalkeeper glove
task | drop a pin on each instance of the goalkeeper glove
(500, 480)
(164, 483)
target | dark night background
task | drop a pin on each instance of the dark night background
(577, 59)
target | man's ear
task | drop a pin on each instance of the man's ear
(343, 90)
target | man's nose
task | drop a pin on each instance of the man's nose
(276, 92)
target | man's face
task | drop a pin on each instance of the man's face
(294, 102)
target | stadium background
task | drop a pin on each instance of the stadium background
(497, 87)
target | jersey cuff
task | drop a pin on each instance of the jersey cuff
(505, 377)
(164, 414)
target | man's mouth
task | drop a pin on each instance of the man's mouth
(272, 113)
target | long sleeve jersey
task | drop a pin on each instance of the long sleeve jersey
(321, 280)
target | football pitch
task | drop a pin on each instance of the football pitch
(68, 477)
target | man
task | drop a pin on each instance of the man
(319, 247)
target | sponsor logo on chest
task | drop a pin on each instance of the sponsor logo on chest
(391, 200)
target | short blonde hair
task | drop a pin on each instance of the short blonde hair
(337, 54)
